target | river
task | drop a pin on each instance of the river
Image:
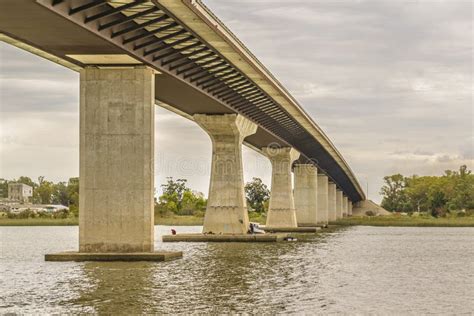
(357, 270)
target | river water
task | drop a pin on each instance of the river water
(358, 270)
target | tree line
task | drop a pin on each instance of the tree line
(454, 190)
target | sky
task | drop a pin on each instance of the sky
(390, 82)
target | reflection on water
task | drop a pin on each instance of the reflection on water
(355, 270)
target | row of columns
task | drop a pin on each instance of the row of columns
(117, 169)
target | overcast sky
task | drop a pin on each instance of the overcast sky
(390, 82)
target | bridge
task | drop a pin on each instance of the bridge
(132, 55)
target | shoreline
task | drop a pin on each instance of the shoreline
(387, 221)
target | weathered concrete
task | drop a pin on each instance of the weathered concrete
(362, 207)
(306, 194)
(339, 202)
(226, 211)
(224, 238)
(349, 208)
(111, 256)
(116, 160)
(331, 202)
(323, 199)
(344, 206)
(291, 229)
(281, 210)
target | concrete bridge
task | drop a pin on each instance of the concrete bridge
(132, 55)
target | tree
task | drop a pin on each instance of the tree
(60, 194)
(179, 199)
(394, 196)
(257, 194)
(73, 194)
(44, 192)
(173, 192)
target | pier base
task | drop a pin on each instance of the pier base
(117, 256)
(291, 229)
(224, 238)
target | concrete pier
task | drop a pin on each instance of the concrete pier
(116, 160)
(331, 202)
(281, 211)
(305, 194)
(226, 211)
(349, 208)
(322, 199)
(344, 206)
(339, 202)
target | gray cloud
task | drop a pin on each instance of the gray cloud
(390, 82)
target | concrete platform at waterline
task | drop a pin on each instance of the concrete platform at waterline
(291, 229)
(224, 238)
(115, 256)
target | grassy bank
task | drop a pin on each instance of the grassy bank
(408, 221)
(38, 221)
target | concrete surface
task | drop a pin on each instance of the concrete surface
(339, 203)
(306, 194)
(110, 256)
(116, 160)
(349, 208)
(291, 229)
(224, 238)
(360, 208)
(323, 204)
(344, 206)
(281, 210)
(331, 202)
(226, 211)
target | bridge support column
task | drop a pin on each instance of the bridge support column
(281, 211)
(306, 194)
(116, 160)
(323, 199)
(344, 206)
(226, 211)
(349, 209)
(339, 202)
(331, 202)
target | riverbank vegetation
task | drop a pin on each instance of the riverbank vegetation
(436, 195)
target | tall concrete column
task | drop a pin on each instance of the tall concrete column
(331, 202)
(226, 211)
(339, 204)
(323, 199)
(349, 209)
(116, 160)
(306, 194)
(281, 211)
(344, 206)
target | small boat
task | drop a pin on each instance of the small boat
(254, 228)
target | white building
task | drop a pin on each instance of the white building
(19, 192)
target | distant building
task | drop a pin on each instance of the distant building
(20, 192)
